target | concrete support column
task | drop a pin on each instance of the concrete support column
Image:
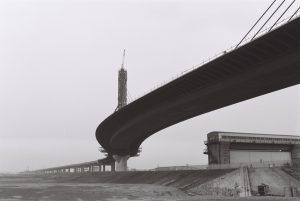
(296, 155)
(225, 152)
(113, 166)
(121, 162)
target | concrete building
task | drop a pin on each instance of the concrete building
(232, 148)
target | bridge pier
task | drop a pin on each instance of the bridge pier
(121, 162)
(113, 166)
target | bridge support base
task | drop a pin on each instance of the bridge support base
(121, 162)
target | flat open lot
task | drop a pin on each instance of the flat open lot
(28, 188)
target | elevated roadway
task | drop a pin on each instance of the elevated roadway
(269, 63)
(91, 166)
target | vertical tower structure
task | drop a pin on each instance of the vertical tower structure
(121, 161)
(122, 85)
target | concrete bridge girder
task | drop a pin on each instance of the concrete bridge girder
(234, 77)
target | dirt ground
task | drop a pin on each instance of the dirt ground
(19, 188)
(274, 177)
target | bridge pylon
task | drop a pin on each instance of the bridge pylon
(121, 162)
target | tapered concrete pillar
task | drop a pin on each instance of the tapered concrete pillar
(121, 162)
(113, 166)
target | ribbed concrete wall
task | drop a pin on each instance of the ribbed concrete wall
(184, 179)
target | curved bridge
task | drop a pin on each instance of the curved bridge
(269, 63)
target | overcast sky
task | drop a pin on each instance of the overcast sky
(58, 76)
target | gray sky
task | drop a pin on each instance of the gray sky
(58, 76)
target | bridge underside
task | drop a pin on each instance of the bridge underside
(269, 63)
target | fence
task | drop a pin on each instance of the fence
(227, 166)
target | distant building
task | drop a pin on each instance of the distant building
(232, 148)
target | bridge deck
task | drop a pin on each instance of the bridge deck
(269, 63)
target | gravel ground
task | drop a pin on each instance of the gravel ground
(16, 188)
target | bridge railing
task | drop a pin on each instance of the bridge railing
(244, 42)
(227, 166)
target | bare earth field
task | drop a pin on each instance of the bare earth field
(29, 188)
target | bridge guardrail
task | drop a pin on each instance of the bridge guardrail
(227, 166)
(245, 41)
